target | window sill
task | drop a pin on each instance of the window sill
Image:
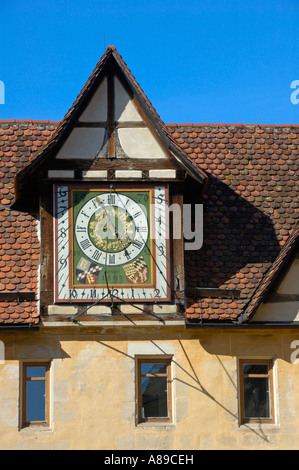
(159, 424)
(32, 428)
(258, 424)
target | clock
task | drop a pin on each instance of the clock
(111, 243)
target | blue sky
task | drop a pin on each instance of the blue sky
(198, 61)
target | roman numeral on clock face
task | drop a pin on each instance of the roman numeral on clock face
(81, 229)
(96, 255)
(85, 244)
(137, 243)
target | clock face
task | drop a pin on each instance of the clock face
(113, 227)
(111, 243)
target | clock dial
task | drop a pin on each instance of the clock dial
(111, 227)
(111, 243)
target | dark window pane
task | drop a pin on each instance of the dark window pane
(154, 397)
(256, 398)
(38, 371)
(153, 368)
(255, 368)
(36, 400)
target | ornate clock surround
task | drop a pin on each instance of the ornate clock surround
(111, 135)
(89, 267)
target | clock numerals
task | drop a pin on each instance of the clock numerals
(96, 255)
(73, 294)
(86, 243)
(137, 243)
(112, 260)
(81, 229)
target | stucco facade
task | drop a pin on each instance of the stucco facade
(93, 388)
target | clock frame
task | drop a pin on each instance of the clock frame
(111, 243)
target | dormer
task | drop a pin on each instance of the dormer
(104, 185)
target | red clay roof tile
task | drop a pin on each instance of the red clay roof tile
(251, 207)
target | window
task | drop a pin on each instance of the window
(35, 393)
(256, 391)
(154, 390)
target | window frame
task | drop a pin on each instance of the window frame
(270, 377)
(155, 360)
(46, 378)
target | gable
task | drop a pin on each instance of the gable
(112, 110)
(281, 304)
(111, 126)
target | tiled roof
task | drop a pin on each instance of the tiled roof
(250, 209)
(19, 244)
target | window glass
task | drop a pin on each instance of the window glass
(153, 368)
(154, 397)
(255, 368)
(35, 389)
(36, 401)
(35, 371)
(256, 390)
(154, 390)
(256, 398)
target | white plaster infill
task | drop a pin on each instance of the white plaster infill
(140, 143)
(127, 309)
(73, 310)
(128, 174)
(62, 310)
(165, 309)
(130, 309)
(82, 144)
(162, 174)
(99, 310)
(95, 174)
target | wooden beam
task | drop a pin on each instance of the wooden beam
(130, 124)
(178, 253)
(119, 163)
(47, 241)
(110, 124)
(117, 124)
(214, 293)
(282, 298)
(24, 296)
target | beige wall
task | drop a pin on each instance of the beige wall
(93, 388)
